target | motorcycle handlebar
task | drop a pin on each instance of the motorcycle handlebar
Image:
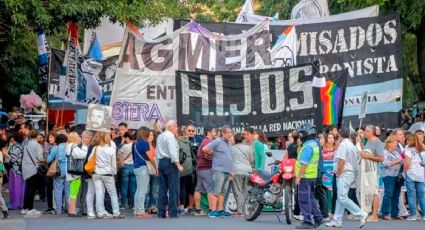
(277, 162)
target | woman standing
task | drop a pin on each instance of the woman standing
(392, 187)
(153, 179)
(74, 154)
(16, 182)
(243, 161)
(60, 185)
(3, 152)
(127, 177)
(329, 147)
(140, 156)
(259, 135)
(103, 177)
(415, 175)
(292, 145)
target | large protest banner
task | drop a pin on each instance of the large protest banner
(273, 100)
(369, 47)
(144, 88)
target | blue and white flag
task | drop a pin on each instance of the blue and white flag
(95, 50)
(43, 57)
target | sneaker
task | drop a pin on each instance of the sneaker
(105, 216)
(223, 213)
(213, 214)
(299, 217)
(363, 220)
(318, 223)
(5, 214)
(91, 216)
(333, 224)
(191, 211)
(32, 214)
(304, 225)
(49, 211)
(120, 217)
(24, 211)
(411, 218)
(200, 212)
(182, 212)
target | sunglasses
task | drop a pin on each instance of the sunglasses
(191, 131)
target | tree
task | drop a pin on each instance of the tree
(21, 19)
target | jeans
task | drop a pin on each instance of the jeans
(168, 183)
(60, 186)
(391, 198)
(90, 196)
(142, 181)
(307, 201)
(100, 183)
(128, 184)
(415, 190)
(152, 198)
(343, 202)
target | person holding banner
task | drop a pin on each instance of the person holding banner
(373, 151)
(306, 172)
(346, 167)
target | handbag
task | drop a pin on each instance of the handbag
(41, 168)
(74, 166)
(54, 169)
(151, 169)
(91, 163)
(400, 177)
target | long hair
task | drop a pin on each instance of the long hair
(326, 136)
(143, 133)
(413, 142)
(102, 139)
(261, 136)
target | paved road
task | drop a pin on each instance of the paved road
(266, 221)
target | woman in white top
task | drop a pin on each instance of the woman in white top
(415, 175)
(103, 177)
(74, 155)
(126, 173)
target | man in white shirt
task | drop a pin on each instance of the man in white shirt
(167, 153)
(345, 167)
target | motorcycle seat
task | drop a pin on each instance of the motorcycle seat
(265, 175)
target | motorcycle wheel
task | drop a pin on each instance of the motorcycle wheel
(289, 212)
(251, 208)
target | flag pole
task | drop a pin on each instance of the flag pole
(48, 88)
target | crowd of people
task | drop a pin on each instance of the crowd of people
(166, 172)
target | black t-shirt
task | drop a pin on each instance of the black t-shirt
(292, 151)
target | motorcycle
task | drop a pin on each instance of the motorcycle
(275, 190)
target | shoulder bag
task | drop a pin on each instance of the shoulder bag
(41, 168)
(91, 163)
(74, 166)
(151, 169)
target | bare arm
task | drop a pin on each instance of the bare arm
(340, 169)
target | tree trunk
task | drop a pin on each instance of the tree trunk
(420, 36)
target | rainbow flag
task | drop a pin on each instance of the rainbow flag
(332, 96)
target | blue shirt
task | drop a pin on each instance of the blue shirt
(58, 152)
(222, 155)
(140, 149)
(307, 153)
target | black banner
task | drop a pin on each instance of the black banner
(276, 101)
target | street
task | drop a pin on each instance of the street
(267, 221)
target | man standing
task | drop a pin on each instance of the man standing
(204, 172)
(374, 151)
(221, 150)
(167, 152)
(257, 147)
(345, 167)
(120, 140)
(306, 172)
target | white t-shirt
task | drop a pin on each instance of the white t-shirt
(416, 172)
(346, 151)
(126, 150)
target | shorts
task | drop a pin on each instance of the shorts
(205, 181)
(74, 188)
(221, 183)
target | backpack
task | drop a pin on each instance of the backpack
(74, 166)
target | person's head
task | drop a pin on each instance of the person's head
(102, 139)
(33, 133)
(307, 132)
(420, 134)
(370, 132)
(378, 131)
(360, 132)
(98, 116)
(190, 130)
(129, 137)
(321, 138)
(74, 138)
(330, 139)
(152, 138)
(413, 142)
(293, 137)
(122, 129)
(87, 137)
(399, 134)
(61, 138)
(391, 143)
(344, 132)
(40, 137)
(26, 129)
(210, 132)
(238, 138)
(259, 135)
(16, 137)
(227, 133)
(171, 126)
(248, 134)
(51, 137)
(333, 129)
(143, 133)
